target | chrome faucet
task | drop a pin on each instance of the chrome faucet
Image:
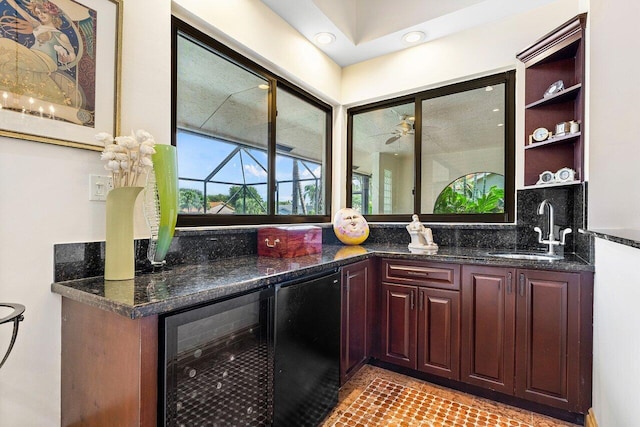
(551, 240)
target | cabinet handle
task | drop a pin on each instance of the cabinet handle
(521, 284)
(275, 242)
(420, 300)
(417, 273)
(509, 283)
(412, 302)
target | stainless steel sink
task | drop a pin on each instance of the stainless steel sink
(533, 256)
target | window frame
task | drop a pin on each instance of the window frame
(508, 216)
(182, 28)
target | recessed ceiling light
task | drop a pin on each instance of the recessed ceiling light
(263, 86)
(413, 37)
(324, 38)
(488, 88)
(495, 110)
(500, 124)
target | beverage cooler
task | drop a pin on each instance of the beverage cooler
(218, 363)
(269, 357)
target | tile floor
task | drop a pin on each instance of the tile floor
(377, 397)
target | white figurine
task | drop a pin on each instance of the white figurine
(421, 237)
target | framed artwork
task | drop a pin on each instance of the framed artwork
(60, 70)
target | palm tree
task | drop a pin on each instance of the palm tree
(191, 198)
(311, 192)
(246, 200)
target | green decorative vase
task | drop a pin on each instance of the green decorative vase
(119, 262)
(161, 202)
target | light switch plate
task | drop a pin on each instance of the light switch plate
(99, 186)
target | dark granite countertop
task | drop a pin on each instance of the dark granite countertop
(623, 236)
(187, 285)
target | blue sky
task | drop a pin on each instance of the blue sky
(198, 156)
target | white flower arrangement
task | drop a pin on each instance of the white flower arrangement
(128, 157)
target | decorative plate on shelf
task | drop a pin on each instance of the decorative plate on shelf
(554, 88)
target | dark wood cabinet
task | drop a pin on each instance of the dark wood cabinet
(399, 324)
(488, 327)
(109, 368)
(439, 332)
(528, 333)
(553, 344)
(524, 333)
(421, 316)
(557, 57)
(358, 301)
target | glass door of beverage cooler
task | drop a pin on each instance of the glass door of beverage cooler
(218, 363)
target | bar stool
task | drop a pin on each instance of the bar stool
(16, 317)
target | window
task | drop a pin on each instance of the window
(388, 190)
(301, 128)
(481, 192)
(446, 153)
(382, 152)
(252, 148)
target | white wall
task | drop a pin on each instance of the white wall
(44, 199)
(616, 348)
(401, 168)
(614, 109)
(614, 152)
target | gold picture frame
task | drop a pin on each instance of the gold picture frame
(60, 64)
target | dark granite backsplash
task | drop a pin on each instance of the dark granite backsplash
(570, 210)
(80, 260)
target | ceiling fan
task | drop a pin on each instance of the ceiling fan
(405, 127)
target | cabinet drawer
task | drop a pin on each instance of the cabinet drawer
(432, 274)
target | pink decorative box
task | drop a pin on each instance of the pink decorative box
(289, 242)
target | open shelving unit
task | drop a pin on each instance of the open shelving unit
(559, 55)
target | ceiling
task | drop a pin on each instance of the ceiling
(365, 29)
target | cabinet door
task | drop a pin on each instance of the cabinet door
(439, 332)
(399, 324)
(488, 327)
(548, 327)
(355, 295)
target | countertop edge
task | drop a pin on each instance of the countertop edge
(624, 236)
(177, 303)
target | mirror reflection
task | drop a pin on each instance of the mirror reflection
(463, 134)
(383, 160)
